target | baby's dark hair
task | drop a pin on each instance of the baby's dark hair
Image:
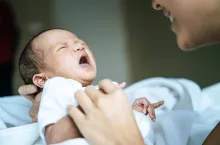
(31, 61)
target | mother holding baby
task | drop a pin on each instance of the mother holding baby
(196, 23)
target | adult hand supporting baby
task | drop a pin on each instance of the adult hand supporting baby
(107, 116)
(31, 93)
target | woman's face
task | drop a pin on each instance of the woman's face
(193, 21)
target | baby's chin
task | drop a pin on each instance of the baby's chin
(87, 80)
(86, 83)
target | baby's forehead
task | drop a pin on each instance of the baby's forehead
(53, 37)
(56, 35)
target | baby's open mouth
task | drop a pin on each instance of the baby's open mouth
(84, 61)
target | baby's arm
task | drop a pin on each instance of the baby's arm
(63, 130)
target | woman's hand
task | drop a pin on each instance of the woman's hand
(107, 117)
(32, 94)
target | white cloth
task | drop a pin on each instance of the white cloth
(185, 120)
(15, 122)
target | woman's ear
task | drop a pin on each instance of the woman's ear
(39, 80)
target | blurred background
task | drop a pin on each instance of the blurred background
(130, 41)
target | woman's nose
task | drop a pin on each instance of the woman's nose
(156, 5)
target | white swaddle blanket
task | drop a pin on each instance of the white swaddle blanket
(184, 119)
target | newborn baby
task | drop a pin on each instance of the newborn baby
(58, 62)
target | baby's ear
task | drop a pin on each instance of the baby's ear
(39, 80)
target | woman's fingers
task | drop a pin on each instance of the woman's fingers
(107, 86)
(84, 101)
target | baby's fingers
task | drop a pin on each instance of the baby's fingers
(151, 112)
(158, 104)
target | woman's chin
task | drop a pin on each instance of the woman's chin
(186, 44)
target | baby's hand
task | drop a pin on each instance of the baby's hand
(144, 106)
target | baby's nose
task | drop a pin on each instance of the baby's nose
(77, 47)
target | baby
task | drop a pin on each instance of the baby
(58, 62)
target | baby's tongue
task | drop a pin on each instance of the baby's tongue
(83, 65)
